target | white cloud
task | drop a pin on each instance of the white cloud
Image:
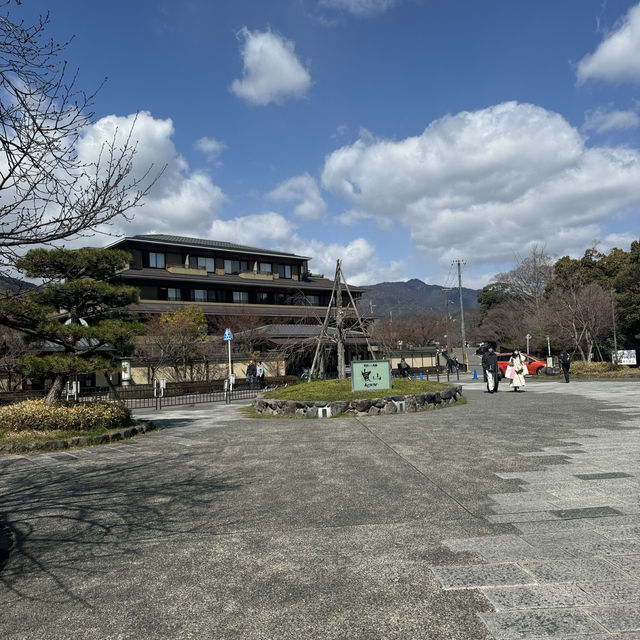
(180, 201)
(272, 72)
(601, 120)
(304, 190)
(489, 183)
(273, 230)
(211, 147)
(359, 7)
(617, 58)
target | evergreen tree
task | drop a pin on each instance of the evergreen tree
(77, 320)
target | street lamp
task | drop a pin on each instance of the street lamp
(528, 336)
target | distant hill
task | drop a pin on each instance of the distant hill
(405, 299)
(10, 286)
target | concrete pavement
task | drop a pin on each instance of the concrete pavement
(513, 516)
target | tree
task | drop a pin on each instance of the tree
(47, 192)
(176, 339)
(78, 321)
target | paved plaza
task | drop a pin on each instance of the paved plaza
(513, 516)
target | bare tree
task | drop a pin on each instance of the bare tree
(580, 316)
(528, 280)
(47, 192)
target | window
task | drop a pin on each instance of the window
(156, 260)
(241, 297)
(174, 294)
(203, 295)
(207, 263)
(236, 266)
(263, 298)
(284, 270)
(313, 300)
(264, 267)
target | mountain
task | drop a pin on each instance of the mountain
(405, 299)
(11, 286)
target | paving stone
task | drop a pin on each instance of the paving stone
(587, 512)
(574, 570)
(532, 517)
(623, 617)
(603, 476)
(630, 563)
(615, 592)
(483, 575)
(538, 596)
(539, 623)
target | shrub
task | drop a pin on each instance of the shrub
(581, 366)
(35, 415)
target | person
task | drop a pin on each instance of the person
(490, 370)
(518, 362)
(260, 375)
(456, 364)
(251, 374)
(403, 368)
(565, 363)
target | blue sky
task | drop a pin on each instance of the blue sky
(398, 135)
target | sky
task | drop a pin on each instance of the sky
(397, 135)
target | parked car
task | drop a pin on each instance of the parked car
(533, 364)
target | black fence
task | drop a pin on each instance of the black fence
(146, 397)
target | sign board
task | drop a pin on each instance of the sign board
(227, 335)
(368, 375)
(126, 370)
(627, 356)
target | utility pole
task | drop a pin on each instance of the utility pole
(613, 317)
(464, 337)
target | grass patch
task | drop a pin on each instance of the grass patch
(585, 370)
(335, 390)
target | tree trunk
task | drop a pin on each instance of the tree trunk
(56, 389)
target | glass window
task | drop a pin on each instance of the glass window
(263, 298)
(199, 295)
(236, 266)
(264, 267)
(207, 263)
(174, 294)
(156, 260)
(241, 296)
(313, 300)
(284, 270)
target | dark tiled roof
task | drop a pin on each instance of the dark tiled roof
(183, 241)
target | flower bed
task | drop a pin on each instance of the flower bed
(360, 407)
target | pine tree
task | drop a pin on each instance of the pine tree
(77, 321)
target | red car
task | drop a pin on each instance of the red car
(533, 364)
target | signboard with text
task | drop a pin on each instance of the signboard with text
(368, 375)
(626, 356)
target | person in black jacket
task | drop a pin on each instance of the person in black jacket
(490, 370)
(565, 363)
(403, 368)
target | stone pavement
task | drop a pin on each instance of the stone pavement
(514, 516)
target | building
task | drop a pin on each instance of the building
(224, 279)
(255, 287)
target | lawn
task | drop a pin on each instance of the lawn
(341, 390)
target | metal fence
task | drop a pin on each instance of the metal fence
(145, 397)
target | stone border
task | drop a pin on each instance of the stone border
(363, 407)
(142, 426)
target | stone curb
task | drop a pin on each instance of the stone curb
(142, 426)
(364, 407)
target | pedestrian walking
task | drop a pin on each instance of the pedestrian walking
(251, 374)
(260, 375)
(518, 365)
(490, 370)
(565, 363)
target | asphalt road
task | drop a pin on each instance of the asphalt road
(513, 516)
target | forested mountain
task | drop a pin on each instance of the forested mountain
(406, 299)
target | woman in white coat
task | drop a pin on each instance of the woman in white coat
(518, 363)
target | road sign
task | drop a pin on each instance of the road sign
(227, 335)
